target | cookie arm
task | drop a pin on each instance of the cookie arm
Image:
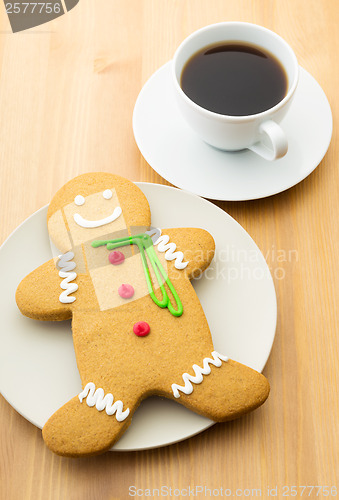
(196, 245)
(37, 295)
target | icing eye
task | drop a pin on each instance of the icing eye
(79, 200)
(107, 194)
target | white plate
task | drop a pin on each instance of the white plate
(38, 372)
(177, 154)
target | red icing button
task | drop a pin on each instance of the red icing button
(126, 291)
(116, 257)
(141, 329)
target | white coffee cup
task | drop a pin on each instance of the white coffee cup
(260, 132)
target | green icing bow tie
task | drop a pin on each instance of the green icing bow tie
(145, 244)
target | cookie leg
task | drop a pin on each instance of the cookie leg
(85, 428)
(220, 391)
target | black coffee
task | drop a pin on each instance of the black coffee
(234, 79)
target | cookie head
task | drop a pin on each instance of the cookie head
(95, 205)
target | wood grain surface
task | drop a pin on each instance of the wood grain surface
(67, 91)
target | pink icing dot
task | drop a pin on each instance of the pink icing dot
(116, 257)
(141, 329)
(126, 291)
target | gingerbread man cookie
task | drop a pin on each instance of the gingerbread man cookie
(138, 326)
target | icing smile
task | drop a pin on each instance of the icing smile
(97, 223)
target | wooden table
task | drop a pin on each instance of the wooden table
(67, 91)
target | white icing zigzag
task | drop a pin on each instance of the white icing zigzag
(199, 372)
(96, 398)
(66, 265)
(162, 242)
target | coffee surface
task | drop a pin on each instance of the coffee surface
(234, 79)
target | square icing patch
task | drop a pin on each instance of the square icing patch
(79, 260)
(58, 232)
(94, 216)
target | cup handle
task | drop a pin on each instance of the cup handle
(277, 139)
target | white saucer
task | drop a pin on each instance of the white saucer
(38, 371)
(174, 151)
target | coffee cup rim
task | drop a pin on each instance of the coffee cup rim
(243, 118)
